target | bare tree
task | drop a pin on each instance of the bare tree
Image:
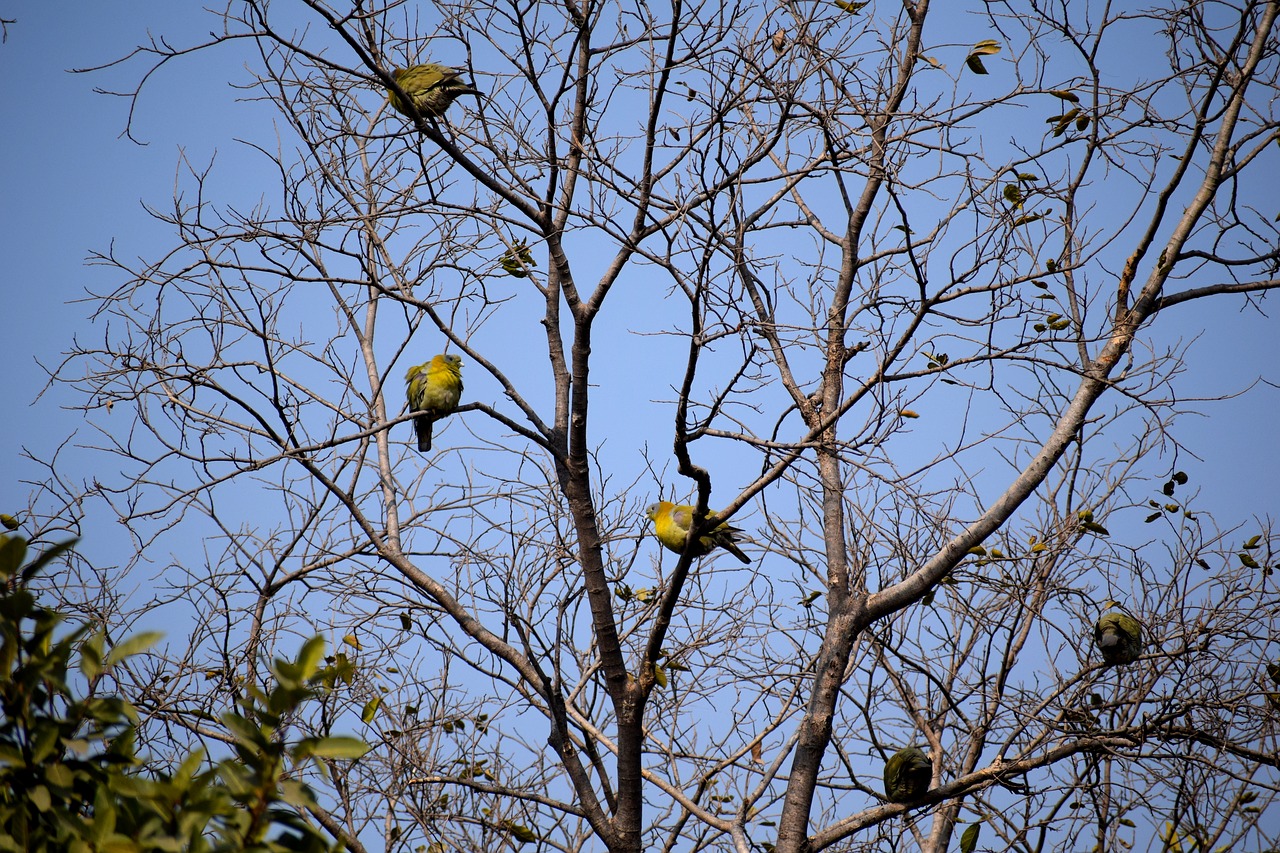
(890, 278)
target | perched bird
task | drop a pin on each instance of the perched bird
(907, 775)
(431, 87)
(1273, 672)
(433, 389)
(1119, 637)
(671, 523)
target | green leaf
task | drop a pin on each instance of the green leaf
(91, 656)
(39, 797)
(1253, 542)
(974, 64)
(60, 775)
(13, 550)
(246, 733)
(297, 794)
(521, 833)
(1065, 95)
(309, 657)
(136, 644)
(370, 709)
(43, 742)
(517, 260)
(46, 558)
(969, 839)
(339, 747)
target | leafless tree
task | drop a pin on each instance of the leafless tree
(893, 279)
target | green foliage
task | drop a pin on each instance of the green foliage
(72, 780)
(518, 260)
(988, 47)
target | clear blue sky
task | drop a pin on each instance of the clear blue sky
(72, 185)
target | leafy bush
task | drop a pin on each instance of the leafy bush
(71, 778)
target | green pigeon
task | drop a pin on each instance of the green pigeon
(671, 523)
(434, 389)
(431, 87)
(1119, 638)
(907, 775)
(1273, 672)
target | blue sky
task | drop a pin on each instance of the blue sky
(73, 185)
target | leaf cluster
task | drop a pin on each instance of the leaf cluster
(71, 777)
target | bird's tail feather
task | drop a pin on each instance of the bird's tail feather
(422, 426)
